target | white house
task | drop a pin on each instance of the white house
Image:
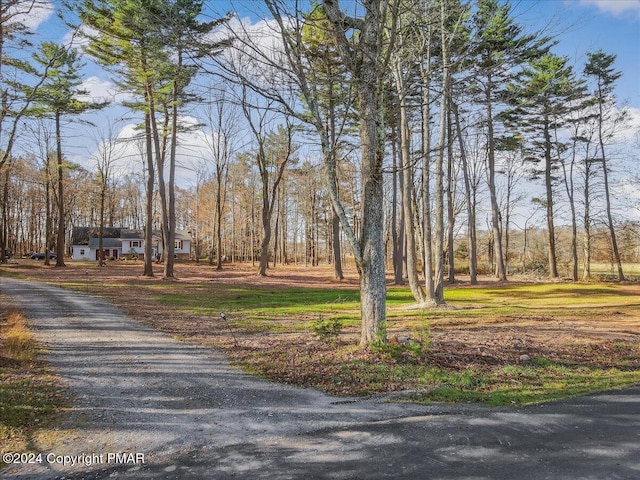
(119, 243)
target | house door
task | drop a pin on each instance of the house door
(115, 254)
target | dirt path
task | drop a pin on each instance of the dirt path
(191, 415)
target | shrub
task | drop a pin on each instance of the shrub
(328, 330)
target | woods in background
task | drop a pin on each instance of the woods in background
(427, 138)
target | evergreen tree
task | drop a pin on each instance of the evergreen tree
(600, 69)
(58, 97)
(500, 47)
(543, 96)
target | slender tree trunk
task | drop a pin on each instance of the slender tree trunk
(266, 229)
(103, 193)
(607, 196)
(569, 187)
(586, 226)
(276, 231)
(4, 228)
(61, 213)
(553, 264)
(495, 209)
(439, 234)
(471, 214)
(426, 183)
(450, 197)
(406, 172)
(396, 239)
(48, 225)
(337, 256)
(218, 221)
(170, 230)
(148, 229)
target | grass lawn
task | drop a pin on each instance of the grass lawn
(502, 344)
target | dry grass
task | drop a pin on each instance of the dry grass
(31, 395)
(19, 344)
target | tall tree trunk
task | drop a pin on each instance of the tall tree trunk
(553, 264)
(439, 234)
(397, 224)
(48, 225)
(426, 188)
(337, 250)
(148, 229)
(569, 187)
(4, 228)
(170, 230)
(471, 214)
(607, 196)
(450, 197)
(501, 272)
(586, 224)
(61, 213)
(103, 195)
(406, 172)
(266, 229)
(218, 220)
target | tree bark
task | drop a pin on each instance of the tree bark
(471, 214)
(148, 229)
(365, 63)
(553, 264)
(406, 173)
(61, 213)
(337, 250)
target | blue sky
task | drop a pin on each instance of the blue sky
(581, 26)
(589, 25)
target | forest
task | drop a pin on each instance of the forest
(429, 139)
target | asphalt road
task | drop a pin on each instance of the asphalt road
(140, 395)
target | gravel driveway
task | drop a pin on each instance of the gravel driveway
(148, 406)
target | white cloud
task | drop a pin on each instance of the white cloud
(257, 52)
(79, 38)
(31, 14)
(616, 7)
(102, 91)
(193, 150)
(629, 130)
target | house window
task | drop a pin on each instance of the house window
(135, 243)
(178, 245)
(82, 251)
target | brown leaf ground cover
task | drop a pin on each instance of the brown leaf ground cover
(481, 338)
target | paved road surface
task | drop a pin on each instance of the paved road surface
(191, 415)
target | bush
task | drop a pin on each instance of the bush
(328, 330)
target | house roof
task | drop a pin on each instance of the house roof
(86, 236)
(182, 235)
(82, 235)
(106, 243)
(128, 234)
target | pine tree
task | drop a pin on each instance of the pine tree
(600, 69)
(543, 96)
(58, 97)
(500, 47)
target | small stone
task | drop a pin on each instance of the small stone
(525, 358)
